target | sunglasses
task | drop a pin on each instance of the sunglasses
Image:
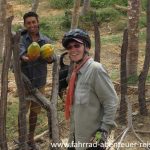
(69, 47)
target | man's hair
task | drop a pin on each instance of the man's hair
(30, 14)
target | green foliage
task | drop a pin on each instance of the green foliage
(107, 3)
(66, 19)
(58, 4)
(144, 4)
(102, 15)
(148, 79)
(117, 38)
(16, 27)
(142, 36)
(107, 14)
(132, 80)
(114, 39)
(142, 21)
(25, 1)
(120, 25)
(51, 27)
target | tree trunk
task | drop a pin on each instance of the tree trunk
(75, 15)
(133, 20)
(144, 72)
(97, 38)
(4, 85)
(35, 4)
(21, 92)
(86, 7)
(54, 118)
(2, 26)
(123, 75)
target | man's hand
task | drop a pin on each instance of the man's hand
(25, 58)
(49, 59)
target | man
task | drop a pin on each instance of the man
(35, 70)
(91, 101)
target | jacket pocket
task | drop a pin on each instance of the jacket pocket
(82, 95)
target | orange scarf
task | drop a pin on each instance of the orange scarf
(71, 87)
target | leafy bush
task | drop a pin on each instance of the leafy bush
(61, 4)
(107, 14)
(66, 19)
(107, 3)
(120, 25)
(51, 27)
(103, 15)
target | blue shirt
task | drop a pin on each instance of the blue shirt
(36, 70)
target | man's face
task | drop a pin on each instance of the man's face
(75, 51)
(31, 24)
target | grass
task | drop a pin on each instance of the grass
(142, 36)
(117, 38)
(12, 121)
(132, 80)
(24, 1)
(148, 78)
(114, 38)
(114, 74)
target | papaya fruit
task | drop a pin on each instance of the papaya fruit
(47, 50)
(33, 51)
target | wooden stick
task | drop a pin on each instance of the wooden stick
(21, 93)
(36, 138)
(4, 85)
(54, 119)
(142, 132)
(38, 97)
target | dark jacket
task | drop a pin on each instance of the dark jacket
(36, 71)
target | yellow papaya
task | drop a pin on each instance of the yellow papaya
(47, 50)
(33, 51)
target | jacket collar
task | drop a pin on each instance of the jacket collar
(41, 37)
(85, 66)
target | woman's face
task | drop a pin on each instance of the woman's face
(75, 51)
